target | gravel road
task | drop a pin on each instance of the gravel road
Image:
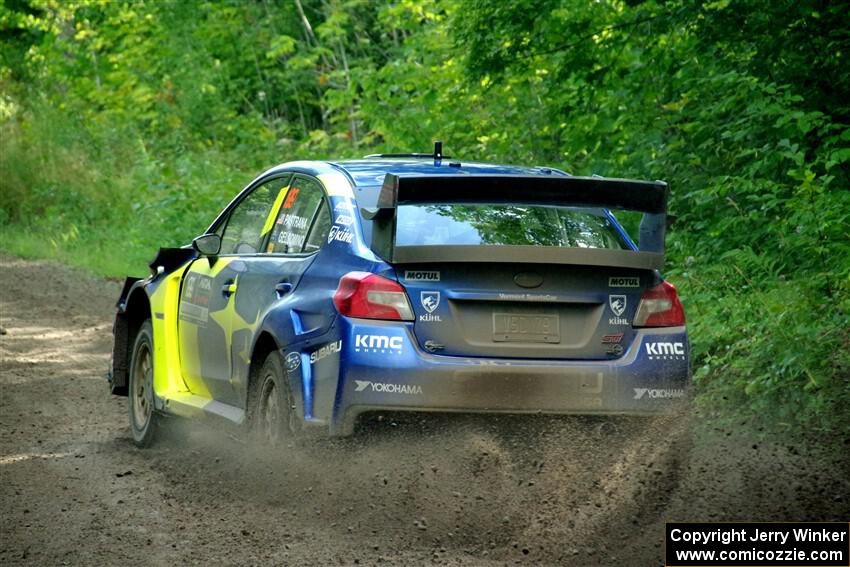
(75, 491)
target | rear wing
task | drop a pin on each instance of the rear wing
(647, 197)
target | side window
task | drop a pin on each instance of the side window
(243, 233)
(303, 202)
(319, 232)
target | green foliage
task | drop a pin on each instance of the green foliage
(128, 125)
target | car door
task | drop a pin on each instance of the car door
(207, 305)
(298, 226)
(268, 241)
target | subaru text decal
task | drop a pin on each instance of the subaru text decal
(378, 343)
(324, 351)
(527, 297)
(387, 388)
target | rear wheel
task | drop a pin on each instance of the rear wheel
(143, 417)
(274, 420)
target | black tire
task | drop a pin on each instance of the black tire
(144, 420)
(274, 421)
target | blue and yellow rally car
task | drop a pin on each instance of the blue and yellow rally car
(326, 290)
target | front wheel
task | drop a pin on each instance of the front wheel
(274, 420)
(143, 418)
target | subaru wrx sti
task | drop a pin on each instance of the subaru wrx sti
(328, 290)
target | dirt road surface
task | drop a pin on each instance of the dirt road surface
(75, 491)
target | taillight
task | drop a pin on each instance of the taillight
(660, 307)
(369, 296)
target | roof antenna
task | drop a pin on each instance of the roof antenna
(438, 152)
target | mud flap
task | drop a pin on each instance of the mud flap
(117, 375)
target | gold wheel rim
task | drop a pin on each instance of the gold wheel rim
(142, 386)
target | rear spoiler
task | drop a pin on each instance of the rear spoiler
(648, 197)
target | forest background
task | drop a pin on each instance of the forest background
(127, 125)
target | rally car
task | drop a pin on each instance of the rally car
(326, 290)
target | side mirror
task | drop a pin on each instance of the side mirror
(207, 244)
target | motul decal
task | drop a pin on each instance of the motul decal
(623, 281)
(421, 276)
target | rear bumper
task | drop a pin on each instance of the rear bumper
(390, 372)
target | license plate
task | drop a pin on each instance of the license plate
(526, 328)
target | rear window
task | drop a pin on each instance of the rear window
(516, 225)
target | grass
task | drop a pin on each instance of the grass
(102, 257)
(63, 196)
